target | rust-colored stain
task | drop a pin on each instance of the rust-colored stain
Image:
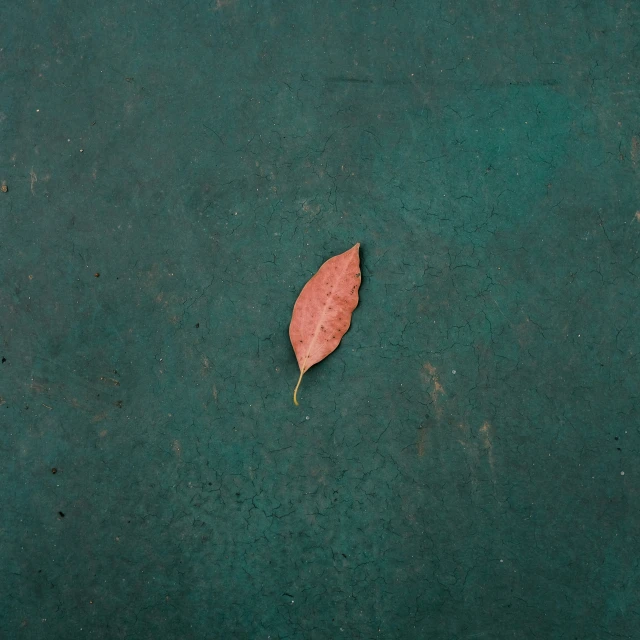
(177, 449)
(214, 392)
(638, 216)
(431, 371)
(422, 437)
(430, 377)
(635, 147)
(37, 387)
(478, 443)
(110, 381)
(486, 432)
(99, 417)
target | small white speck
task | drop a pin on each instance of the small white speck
(307, 417)
(622, 473)
(453, 371)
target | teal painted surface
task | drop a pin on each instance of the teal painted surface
(464, 465)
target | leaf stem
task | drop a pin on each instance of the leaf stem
(295, 391)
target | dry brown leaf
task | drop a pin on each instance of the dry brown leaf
(322, 312)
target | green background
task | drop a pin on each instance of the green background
(464, 466)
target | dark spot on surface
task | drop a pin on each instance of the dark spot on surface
(61, 514)
(54, 471)
(197, 325)
(96, 274)
(616, 438)
(118, 404)
(4, 360)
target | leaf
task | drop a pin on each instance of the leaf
(322, 312)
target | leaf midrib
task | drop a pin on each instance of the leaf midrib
(324, 310)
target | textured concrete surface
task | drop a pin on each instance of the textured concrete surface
(465, 465)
